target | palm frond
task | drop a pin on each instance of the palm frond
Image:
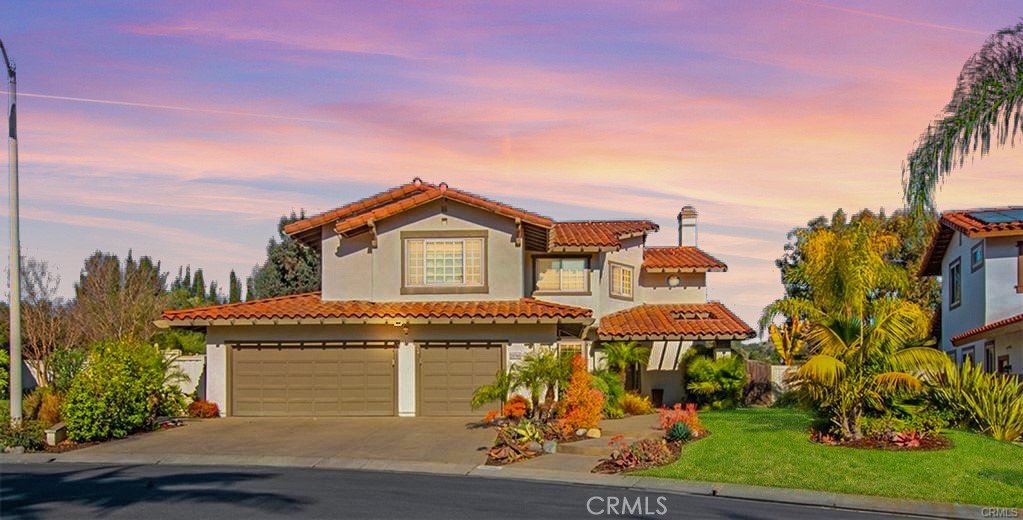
(895, 382)
(821, 369)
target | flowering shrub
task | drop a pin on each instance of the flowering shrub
(687, 415)
(633, 404)
(582, 405)
(516, 407)
(203, 409)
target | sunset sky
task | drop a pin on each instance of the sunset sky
(183, 130)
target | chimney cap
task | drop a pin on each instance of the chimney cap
(687, 212)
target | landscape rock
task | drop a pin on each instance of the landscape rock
(534, 446)
(550, 446)
(593, 433)
(580, 432)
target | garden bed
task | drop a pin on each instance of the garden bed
(929, 443)
(672, 451)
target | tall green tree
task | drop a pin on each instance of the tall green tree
(199, 285)
(234, 289)
(290, 267)
(986, 106)
(867, 343)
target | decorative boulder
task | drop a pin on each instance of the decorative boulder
(593, 433)
(580, 432)
(534, 446)
(550, 446)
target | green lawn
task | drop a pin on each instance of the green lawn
(769, 447)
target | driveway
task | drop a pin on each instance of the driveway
(419, 439)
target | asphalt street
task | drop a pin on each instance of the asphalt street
(61, 490)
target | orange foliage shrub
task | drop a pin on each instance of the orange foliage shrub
(516, 407)
(687, 415)
(203, 409)
(582, 405)
(491, 416)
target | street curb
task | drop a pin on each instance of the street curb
(804, 497)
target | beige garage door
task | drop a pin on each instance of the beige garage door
(312, 381)
(448, 374)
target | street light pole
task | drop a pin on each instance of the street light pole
(15, 335)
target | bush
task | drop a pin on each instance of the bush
(116, 394)
(611, 386)
(582, 404)
(677, 414)
(644, 453)
(634, 404)
(889, 426)
(204, 409)
(716, 384)
(31, 402)
(49, 410)
(679, 432)
(516, 407)
(28, 434)
(991, 403)
(62, 367)
(5, 361)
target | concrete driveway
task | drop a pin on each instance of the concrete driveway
(446, 440)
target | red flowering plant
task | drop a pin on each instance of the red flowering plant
(670, 416)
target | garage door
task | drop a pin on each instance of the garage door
(448, 374)
(312, 381)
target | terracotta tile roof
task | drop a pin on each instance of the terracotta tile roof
(970, 223)
(310, 306)
(674, 321)
(965, 337)
(403, 198)
(431, 194)
(680, 258)
(597, 233)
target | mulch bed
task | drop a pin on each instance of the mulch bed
(933, 443)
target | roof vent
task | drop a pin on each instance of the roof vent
(443, 186)
(417, 182)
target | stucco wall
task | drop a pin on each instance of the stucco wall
(352, 270)
(971, 312)
(1001, 278)
(216, 354)
(654, 288)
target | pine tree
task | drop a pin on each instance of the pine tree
(198, 285)
(234, 290)
(290, 266)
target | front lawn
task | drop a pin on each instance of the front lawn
(769, 447)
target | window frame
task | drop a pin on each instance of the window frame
(976, 266)
(611, 266)
(955, 283)
(561, 291)
(445, 236)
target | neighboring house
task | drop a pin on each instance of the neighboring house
(978, 254)
(428, 291)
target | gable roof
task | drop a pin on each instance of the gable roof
(310, 306)
(680, 259)
(688, 321)
(601, 234)
(395, 201)
(974, 223)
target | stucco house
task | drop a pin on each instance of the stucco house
(428, 291)
(978, 254)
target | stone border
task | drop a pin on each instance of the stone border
(643, 484)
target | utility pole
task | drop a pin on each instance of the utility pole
(15, 335)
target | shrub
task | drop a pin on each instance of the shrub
(31, 402)
(991, 403)
(582, 404)
(717, 383)
(491, 416)
(28, 434)
(679, 432)
(5, 361)
(204, 409)
(634, 404)
(116, 394)
(611, 386)
(62, 367)
(516, 407)
(647, 452)
(677, 414)
(889, 426)
(49, 410)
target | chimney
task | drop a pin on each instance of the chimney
(687, 226)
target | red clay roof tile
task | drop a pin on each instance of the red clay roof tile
(963, 338)
(680, 258)
(967, 223)
(597, 233)
(310, 306)
(674, 321)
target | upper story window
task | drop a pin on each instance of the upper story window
(621, 280)
(443, 262)
(561, 275)
(955, 283)
(977, 257)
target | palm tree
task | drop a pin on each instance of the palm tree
(497, 391)
(867, 342)
(542, 371)
(787, 339)
(987, 102)
(620, 355)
